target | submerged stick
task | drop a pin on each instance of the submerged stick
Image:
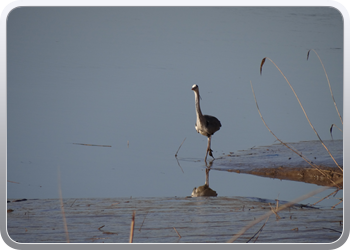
(330, 88)
(262, 63)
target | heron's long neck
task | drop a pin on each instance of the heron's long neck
(198, 108)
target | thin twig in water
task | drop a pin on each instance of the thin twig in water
(176, 155)
(73, 203)
(179, 147)
(332, 229)
(95, 145)
(105, 232)
(262, 63)
(335, 105)
(177, 232)
(258, 232)
(143, 221)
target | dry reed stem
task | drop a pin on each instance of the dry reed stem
(132, 227)
(294, 150)
(274, 211)
(262, 63)
(62, 206)
(177, 232)
(325, 197)
(289, 204)
(337, 204)
(330, 89)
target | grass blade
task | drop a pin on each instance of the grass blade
(330, 88)
(303, 111)
(295, 151)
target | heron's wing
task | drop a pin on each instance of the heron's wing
(212, 121)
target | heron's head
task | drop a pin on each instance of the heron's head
(194, 87)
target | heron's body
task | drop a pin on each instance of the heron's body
(206, 125)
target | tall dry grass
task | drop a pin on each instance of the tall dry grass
(289, 204)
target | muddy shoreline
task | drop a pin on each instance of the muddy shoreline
(307, 175)
(277, 161)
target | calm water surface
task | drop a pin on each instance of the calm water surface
(122, 78)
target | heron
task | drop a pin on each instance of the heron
(206, 125)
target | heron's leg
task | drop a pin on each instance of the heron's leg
(209, 149)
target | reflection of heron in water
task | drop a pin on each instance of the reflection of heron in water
(206, 125)
(204, 190)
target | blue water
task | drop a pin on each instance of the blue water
(122, 77)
